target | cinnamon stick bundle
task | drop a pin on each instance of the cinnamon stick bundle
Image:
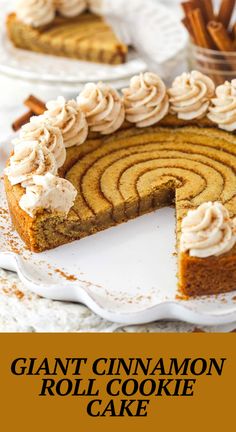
(210, 29)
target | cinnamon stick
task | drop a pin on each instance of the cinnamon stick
(220, 36)
(199, 29)
(234, 35)
(35, 105)
(187, 25)
(207, 9)
(233, 32)
(189, 6)
(226, 12)
(21, 121)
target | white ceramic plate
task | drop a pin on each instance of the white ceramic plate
(125, 274)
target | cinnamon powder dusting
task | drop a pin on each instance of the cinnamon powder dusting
(65, 275)
(13, 290)
(8, 233)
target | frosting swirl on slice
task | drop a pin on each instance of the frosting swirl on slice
(223, 109)
(29, 158)
(70, 119)
(35, 13)
(47, 135)
(208, 231)
(190, 95)
(48, 192)
(146, 100)
(70, 8)
(103, 107)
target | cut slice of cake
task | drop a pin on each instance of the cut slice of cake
(84, 37)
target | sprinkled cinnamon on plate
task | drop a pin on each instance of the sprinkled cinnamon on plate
(13, 291)
(65, 275)
(3, 211)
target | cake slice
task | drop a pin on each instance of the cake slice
(84, 37)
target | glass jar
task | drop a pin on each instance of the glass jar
(218, 65)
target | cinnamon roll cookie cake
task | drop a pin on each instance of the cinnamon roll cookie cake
(67, 28)
(91, 163)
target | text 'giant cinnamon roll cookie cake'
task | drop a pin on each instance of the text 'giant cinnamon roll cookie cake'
(91, 163)
(67, 28)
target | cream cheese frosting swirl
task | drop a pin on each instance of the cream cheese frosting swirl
(70, 8)
(47, 135)
(30, 158)
(103, 107)
(223, 109)
(35, 13)
(146, 100)
(70, 119)
(190, 95)
(208, 231)
(48, 192)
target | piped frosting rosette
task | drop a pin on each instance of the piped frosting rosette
(103, 107)
(35, 13)
(223, 107)
(48, 192)
(190, 95)
(30, 158)
(208, 231)
(70, 8)
(146, 100)
(68, 117)
(47, 136)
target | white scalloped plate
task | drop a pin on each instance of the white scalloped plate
(125, 274)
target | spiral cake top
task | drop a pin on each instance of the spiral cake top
(40, 151)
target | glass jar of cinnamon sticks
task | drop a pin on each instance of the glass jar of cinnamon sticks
(212, 32)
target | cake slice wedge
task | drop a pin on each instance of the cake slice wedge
(85, 37)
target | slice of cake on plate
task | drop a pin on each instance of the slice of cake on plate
(64, 28)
